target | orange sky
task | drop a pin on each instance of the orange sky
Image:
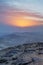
(17, 19)
(19, 14)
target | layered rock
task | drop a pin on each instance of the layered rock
(26, 54)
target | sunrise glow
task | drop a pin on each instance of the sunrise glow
(20, 21)
(20, 14)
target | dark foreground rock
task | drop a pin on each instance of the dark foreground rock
(26, 54)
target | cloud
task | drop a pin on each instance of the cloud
(34, 5)
(12, 11)
(19, 18)
(26, 5)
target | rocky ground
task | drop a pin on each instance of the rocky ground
(26, 54)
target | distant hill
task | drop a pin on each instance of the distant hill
(20, 38)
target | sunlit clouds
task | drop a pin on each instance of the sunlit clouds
(21, 19)
(21, 13)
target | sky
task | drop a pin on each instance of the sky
(21, 15)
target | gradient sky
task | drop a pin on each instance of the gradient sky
(20, 13)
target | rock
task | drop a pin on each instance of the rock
(3, 60)
(23, 64)
(26, 54)
(14, 58)
(14, 63)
